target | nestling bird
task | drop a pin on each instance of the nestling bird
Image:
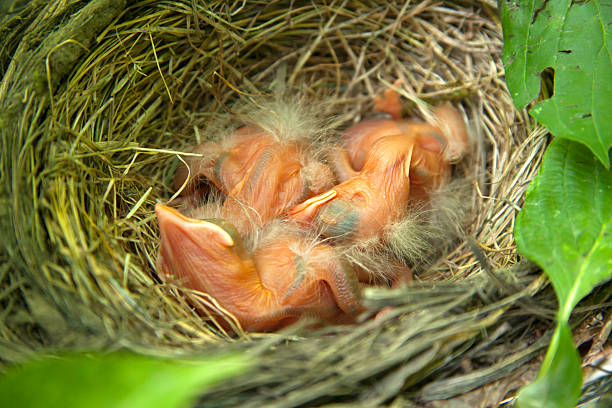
(286, 275)
(383, 165)
(286, 235)
(260, 175)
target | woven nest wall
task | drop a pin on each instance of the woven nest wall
(97, 100)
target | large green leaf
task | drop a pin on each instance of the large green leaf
(122, 380)
(566, 227)
(566, 222)
(573, 38)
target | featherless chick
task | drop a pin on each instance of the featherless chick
(262, 168)
(285, 236)
(287, 274)
(383, 165)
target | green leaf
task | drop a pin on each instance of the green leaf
(574, 39)
(122, 380)
(565, 226)
(530, 43)
(560, 379)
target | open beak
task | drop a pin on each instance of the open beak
(171, 222)
(190, 248)
(308, 209)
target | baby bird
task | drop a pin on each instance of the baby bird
(261, 172)
(384, 165)
(286, 237)
(284, 277)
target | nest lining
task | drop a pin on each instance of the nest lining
(92, 125)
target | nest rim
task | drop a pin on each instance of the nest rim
(138, 88)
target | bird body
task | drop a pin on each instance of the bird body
(366, 202)
(382, 165)
(309, 222)
(283, 279)
(260, 175)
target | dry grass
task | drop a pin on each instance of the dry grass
(92, 123)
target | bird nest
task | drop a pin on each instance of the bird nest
(97, 100)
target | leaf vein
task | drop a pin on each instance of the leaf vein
(573, 298)
(526, 48)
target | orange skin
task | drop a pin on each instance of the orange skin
(390, 102)
(396, 168)
(258, 174)
(268, 290)
(368, 201)
(383, 164)
(429, 170)
(451, 131)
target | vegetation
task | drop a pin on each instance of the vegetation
(566, 221)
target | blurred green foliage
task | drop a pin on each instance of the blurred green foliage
(119, 380)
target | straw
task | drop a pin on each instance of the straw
(93, 113)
